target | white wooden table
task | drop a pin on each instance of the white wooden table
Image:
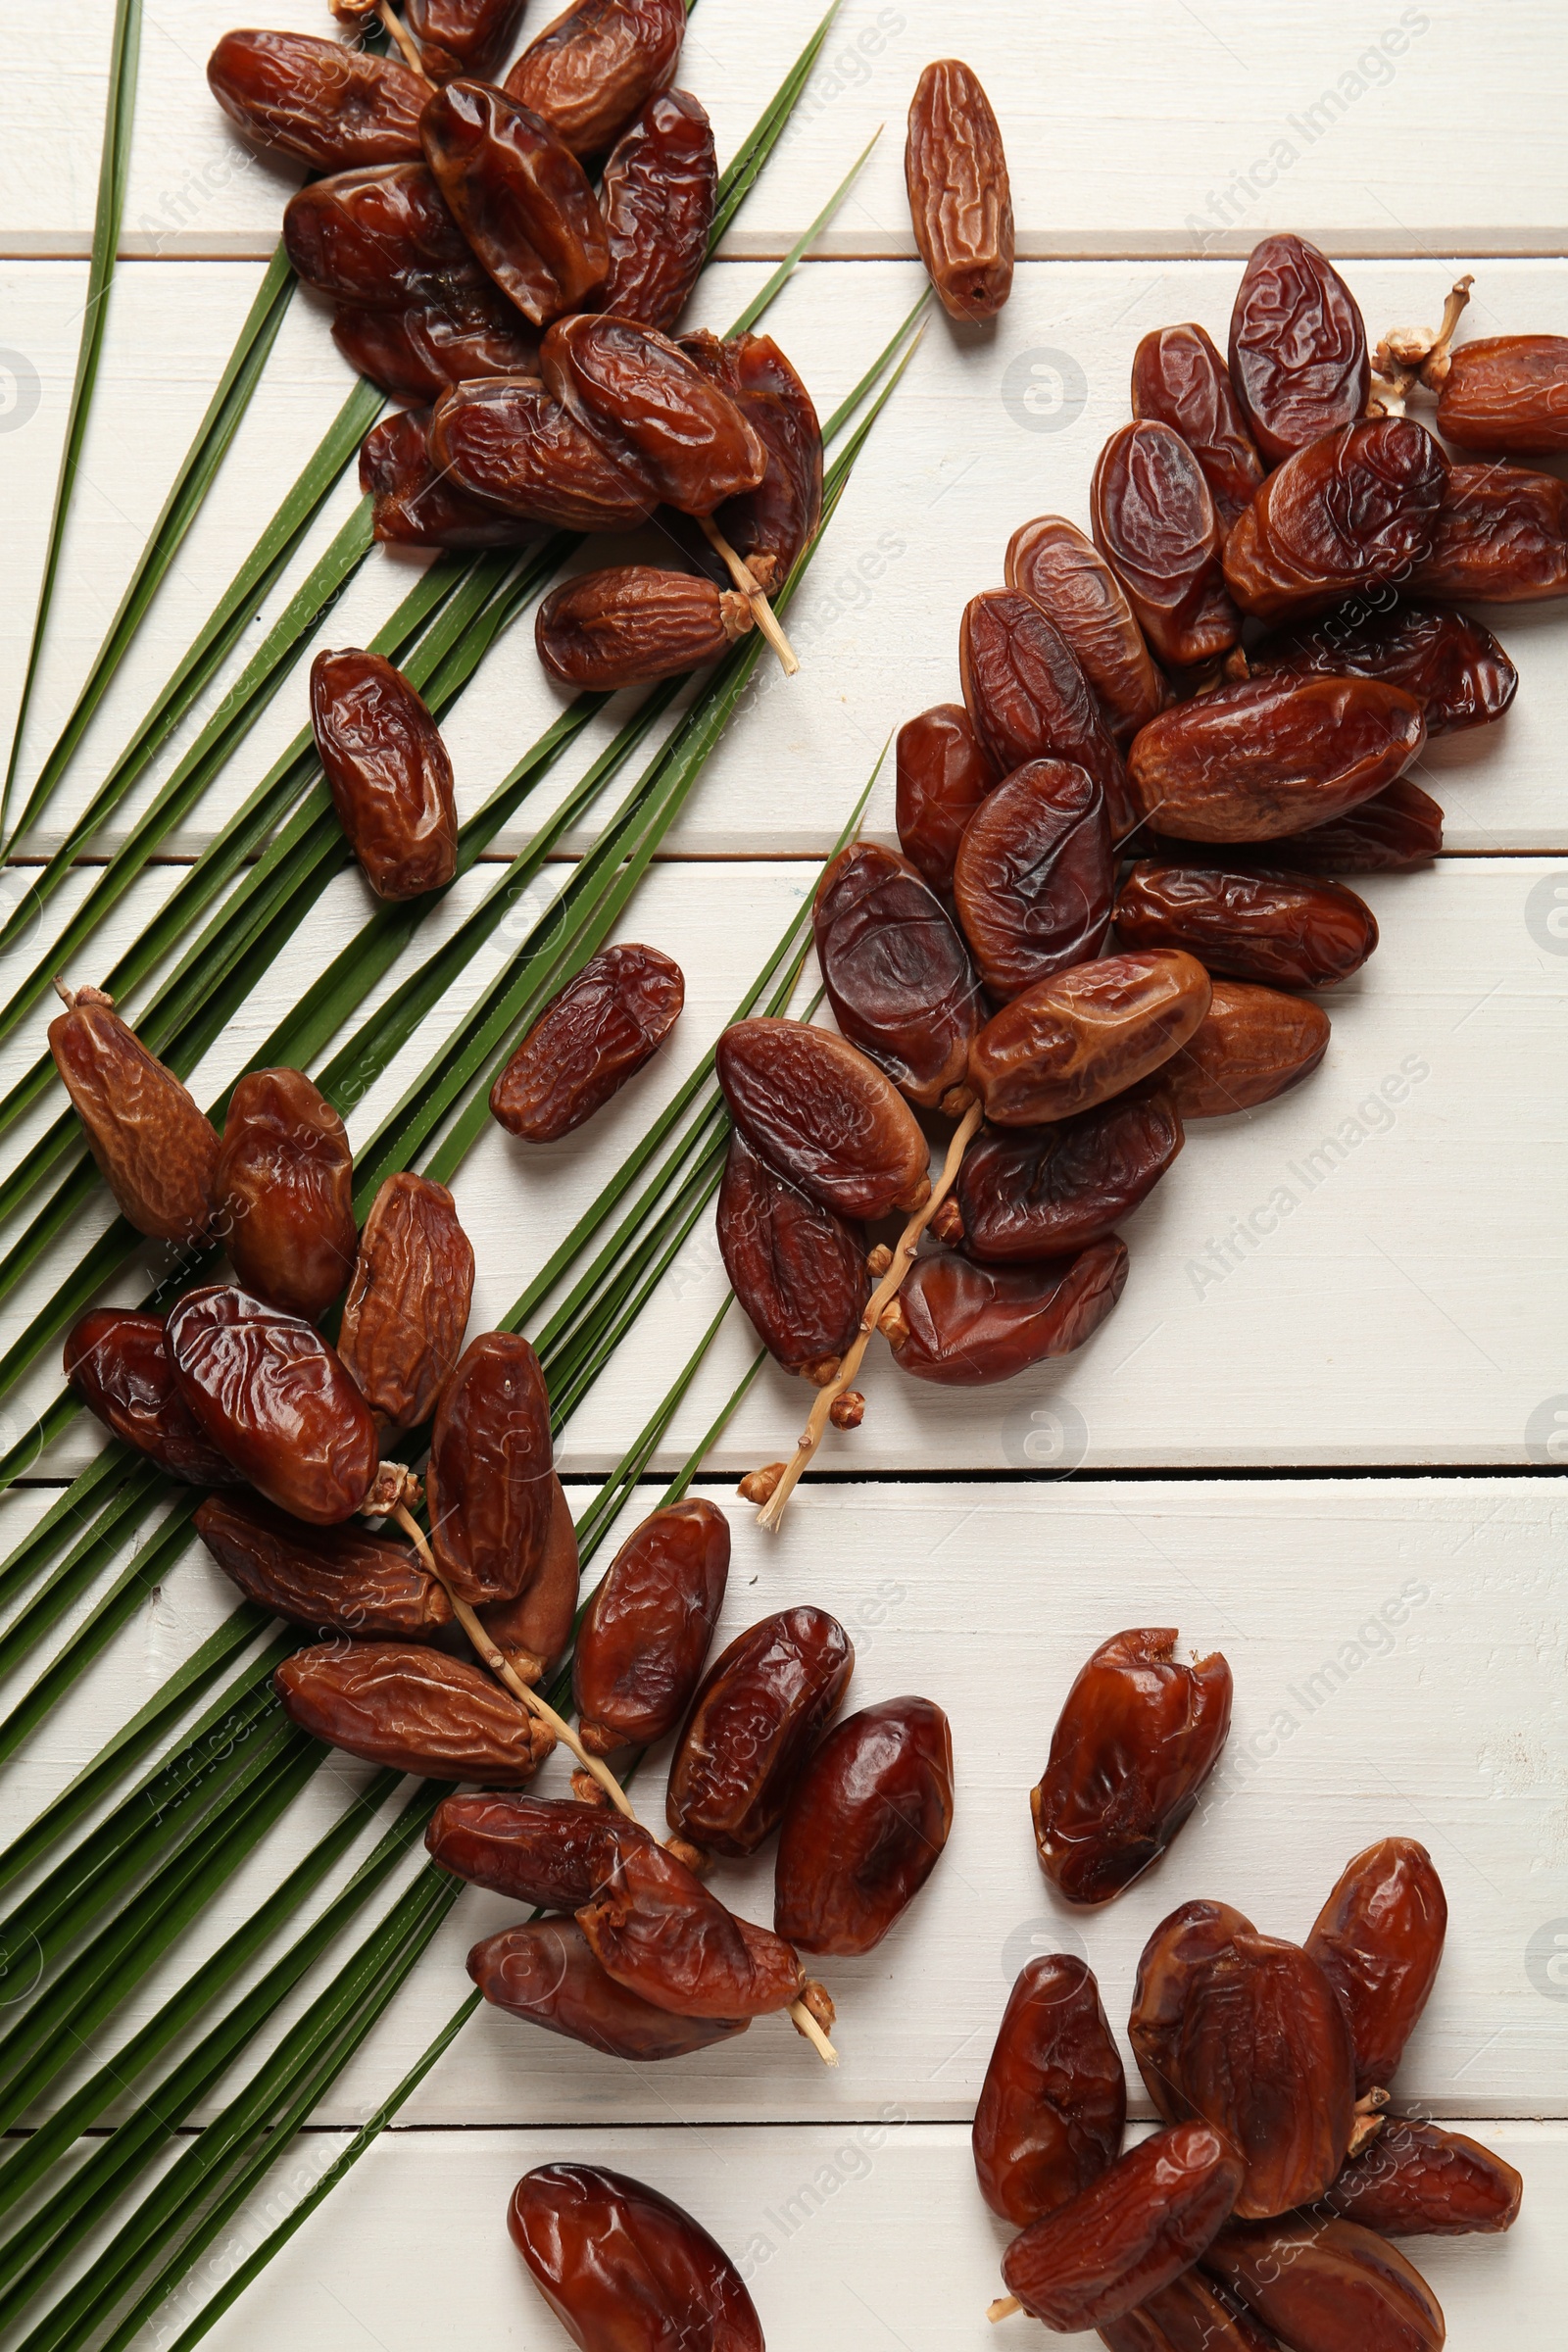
(1326, 1448)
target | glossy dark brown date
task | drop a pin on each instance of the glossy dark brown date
(408, 1304)
(544, 1973)
(896, 971)
(634, 623)
(821, 1113)
(1179, 379)
(624, 2268)
(118, 1364)
(1398, 828)
(965, 1326)
(942, 777)
(655, 1928)
(667, 421)
(534, 1629)
(1379, 1939)
(657, 198)
(865, 1827)
(1033, 878)
(379, 239)
(645, 1636)
(461, 36)
(154, 1150)
(1249, 926)
(1052, 562)
(510, 443)
(771, 524)
(1026, 1194)
(1298, 347)
(336, 1579)
(284, 1186)
(1029, 699)
(549, 1853)
(798, 1268)
(762, 1706)
(596, 63)
(1456, 670)
(1054, 2102)
(1156, 524)
(1272, 755)
(389, 772)
(1328, 2287)
(1500, 538)
(1416, 2180)
(1507, 396)
(336, 108)
(488, 1480)
(589, 1042)
(1252, 1045)
(519, 196)
(1191, 2315)
(414, 502)
(418, 352)
(413, 1709)
(1349, 513)
(1072, 1042)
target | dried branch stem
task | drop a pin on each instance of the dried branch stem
(1003, 2308)
(745, 579)
(402, 38)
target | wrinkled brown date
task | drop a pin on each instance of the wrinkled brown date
(1252, 1045)
(413, 1709)
(1065, 575)
(284, 1186)
(415, 503)
(769, 525)
(1054, 2102)
(1029, 699)
(488, 1480)
(1179, 379)
(1378, 1939)
(533, 1629)
(589, 1041)
(667, 421)
(1246, 2031)
(624, 2268)
(1416, 2180)
(156, 1150)
(511, 442)
(1272, 755)
(1507, 395)
(865, 1827)
(633, 624)
(336, 107)
(1398, 827)
(1249, 926)
(896, 971)
(1502, 538)
(1072, 1042)
(1456, 670)
(1323, 2286)
(408, 1304)
(379, 239)
(1131, 2231)
(1033, 879)
(336, 1579)
(762, 1706)
(1191, 2315)
(416, 352)
(646, 1629)
(1298, 347)
(519, 196)
(1032, 1193)
(821, 1113)
(389, 772)
(544, 1973)
(461, 36)
(965, 1326)
(549, 1853)
(798, 1268)
(269, 1393)
(1351, 512)
(959, 198)
(1156, 524)
(596, 64)
(655, 1928)
(118, 1364)
(942, 778)
(659, 192)
(1137, 1738)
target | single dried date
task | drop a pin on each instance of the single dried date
(408, 1298)
(544, 1973)
(519, 196)
(335, 1579)
(1398, 828)
(1327, 2287)
(1025, 1194)
(118, 1364)
(415, 1709)
(1052, 562)
(771, 524)
(1137, 1738)
(960, 202)
(592, 1038)
(1155, 525)
(596, 64)
(965, 1326)
(1252, 1045)
(646, 1631)
(1249, 926)
(1456, 670)
(942, 777)
(154, 1148)
(657, 198)
(798, 1268)
(533, 1629)
(1416, 2180)
(335, 107)
(379, 239)
(760, 1709)
(488, 1480)
(865, 1827)
(655, 1928)
(416, 504)
(1029, 699)
(1072, 1042)
(896, 971)
(1356, 509)
(624, 2268)
(388, 771)
(1033, 879)
(667, 421)
(1378, 1939)
(418, 352)
(284, 1187)
(1272, 755)
(1179, 379)
(1507, 396)
(461, 36)
(1298, 347)
(821, 1113)
(633, 624)
(509, 442)
(549, 1853)
(1054, 2102)
(1191, 2315)
(1500, 537)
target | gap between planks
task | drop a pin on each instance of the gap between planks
(1156, 245)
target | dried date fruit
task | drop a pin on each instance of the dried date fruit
(336, 1579)
(1053, 2101)
(415, 503)
(379, 239)
(760, 1709)
(1131, 2231)
(1415, 2179)
(1246, 2031)
(865, 1827)
(533, 1630)
(1191, 2315)
(1500, 538)
(589, 1041)
(658, 196)
(771, 524)
(154, 1150)
(896, 971)
(1090, 1033)
(1034, 879)
(1456, 670)
(667, 421)
(655, 1928)
(508, 441)
(1507, 395)
(408, 1304)
(1025, 1194)
(1155, 525)
(1065, 575)
(284, 1187)
(1298, 347)
(624, 2268)
(959, 198)
(118, 1364)
(1356, 510)
(1400, 827)
(942, 778)
(1179, 379)
(597, 65)
(549, 1853)
(824, 1116)
(416, 352)
(1249, 926)
(1029, 699)
(544, 1973)
(1272, 755)
(1252, 1045)
(797, 1268)
(965, 1326)
(337, 108)
(1137, 1738)
(389, 773)
(488, 1480)
(269, 1393)
(646, 1631)
(413, 1709)
(633, 624)
(1378, 1939)
(461, 36)
(519, 196)
(1322, 2286)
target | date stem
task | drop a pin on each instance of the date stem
(1003, 2308)
(804, 2023)
(745, 579)
(771, 1514)
(402, 38)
